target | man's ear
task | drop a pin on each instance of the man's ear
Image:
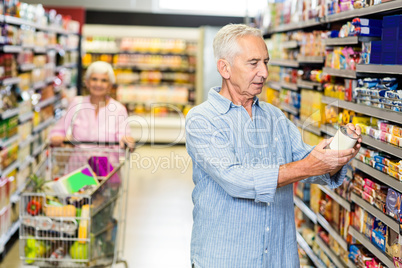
(224, 68)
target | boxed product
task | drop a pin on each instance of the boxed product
(393, 203)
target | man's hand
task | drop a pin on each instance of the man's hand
(129, 142)
(57, 141)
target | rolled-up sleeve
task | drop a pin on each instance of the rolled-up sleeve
(211, 152)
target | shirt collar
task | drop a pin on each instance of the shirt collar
(222, 104)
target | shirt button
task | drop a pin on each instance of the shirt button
(276, 139)
(260, 153)
(266, 251)
(268, 204)
(267, 229)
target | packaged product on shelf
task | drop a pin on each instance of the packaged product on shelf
(4, 192)
(315, 196)
(393, 203)
(392, 246)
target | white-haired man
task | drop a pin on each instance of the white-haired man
(246, 155)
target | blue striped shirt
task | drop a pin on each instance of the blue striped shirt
(241, 218)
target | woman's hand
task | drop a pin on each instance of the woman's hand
(127, 141)
(57, 141)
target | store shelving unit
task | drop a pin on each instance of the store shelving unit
(335, 259)
(310, 59)
(373, 249)
(340, 73)
(364, 109)
(291, 86)
(374, 70)
(306, 210)
(290, 44)
(289, 109)
(324, 223)
(390, 222)
(340, 200)
(303, 244)
(22, 164)
(275, 85)
(284, 63)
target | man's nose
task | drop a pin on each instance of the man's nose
(263, 71)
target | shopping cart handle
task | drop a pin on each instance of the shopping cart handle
(91, 142)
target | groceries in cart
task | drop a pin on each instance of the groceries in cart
(71, 219)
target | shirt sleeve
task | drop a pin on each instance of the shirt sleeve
(211, 151)
(300, 150)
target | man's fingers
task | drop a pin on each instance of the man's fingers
(324, 143)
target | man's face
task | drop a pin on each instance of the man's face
(249, 69)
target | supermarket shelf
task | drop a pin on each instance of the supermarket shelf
(43, 125)
(294, 26)
(350, 40)
(310, 59)
(324, 223)
(152, 68)
(26, 117)
(340, 200)
(290, 44)
(373, 249)
(335, 259)
(6, 237)
(27, 67)
(11, 81)
(10, 168)
(19, 21)
(365, 109)
(9, 141)
(376, 9)
(11, 49)
(384, 178)
(340, 73)
(28, 160)
(306, 210)
(377, 68)
(39, 50)
(28, 140)
(310, 128)
(275, 85)
(390, 222)
(46, 102)
(38, 85)
(351, 264)
(284, 63)
(289, 109)
(303, 244)
(291, 86)
(383, 146)
(309, 85)
(10, 113)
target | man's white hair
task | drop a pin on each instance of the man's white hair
(225, 41)
(100, 67)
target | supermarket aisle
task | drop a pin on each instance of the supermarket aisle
(159, 211)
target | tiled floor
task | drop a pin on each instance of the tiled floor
(159, 216)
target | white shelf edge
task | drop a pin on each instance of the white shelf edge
(341, 201)
(390, 222)
(289, 109)
(43, 125)
(25, 117)
(340, 73)
(335, 259)
(306, 210)
(5, 172)
(27, 67)
(309, 85)
(38, 85)
(11, 81)
(310, 128)
(328, 129)
(11, 49)
(372, 248)
(290, 86)
(275, 85)
(364, 109)
(379, 68)
(350, 40)
(310, 59)
(10, 232)
(26, 142)
(303, 244)
(383, 146)
(285, 63)
(290, 44)
(384, 178)
(324, 223)
(46, 102)
(9, 141)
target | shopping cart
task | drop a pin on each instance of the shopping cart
(84, 229)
